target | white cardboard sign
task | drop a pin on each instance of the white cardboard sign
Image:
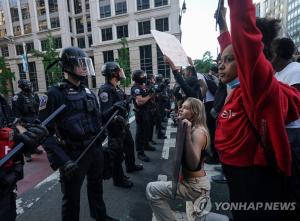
(170, 46)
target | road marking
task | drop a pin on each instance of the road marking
(53, 179)
(169, 142)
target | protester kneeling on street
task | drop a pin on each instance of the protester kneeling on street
(194, 183)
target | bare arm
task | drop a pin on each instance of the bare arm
(203, 88)
(194, 144)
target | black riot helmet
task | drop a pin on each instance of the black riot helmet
(75, 61)
(159, 78)
(112, 69)
(25, 85)
(167, 81)
(138, 76)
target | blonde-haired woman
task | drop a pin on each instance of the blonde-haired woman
(194, 183)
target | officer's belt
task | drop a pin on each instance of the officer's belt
(70, 145)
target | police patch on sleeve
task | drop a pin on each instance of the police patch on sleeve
(137, 91)
(43, 101)
(15, 98)
(104, 97)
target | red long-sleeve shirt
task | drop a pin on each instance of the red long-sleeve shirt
(268, 103)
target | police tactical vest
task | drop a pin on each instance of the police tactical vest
(81, 121)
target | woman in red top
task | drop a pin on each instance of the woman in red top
(250, 137)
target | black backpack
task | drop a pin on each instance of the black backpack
(211, 84)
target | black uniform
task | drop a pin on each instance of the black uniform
(25, 105)
(74, 129)
(142, 118)
(118, 132)
(12, 171)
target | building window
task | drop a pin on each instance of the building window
(33, 76)
(25, 9)
(70, 24)
(29, 47)
(55, 22)
(142, 4)
(44, 44)
(120, 7)
(68, 3)
(27, 28)
(72, 41)
(108, 56)
(146, 58)
(2, 17)
(17, 30)
(87, 5)
(144, 27)
(162, 68)
(158, 3)
(106, 34)
(88, 23)
(122, 31)
(77, 6)
(94, 83)
(90, 38)
(4, 51)
(43, 25)
(40, 7)
(19, 49)
(57, 43)
(81, 42)
(105, 10)
(21, 71)
(79, 25)
(53, 6)
(162, 24)
(14, 10)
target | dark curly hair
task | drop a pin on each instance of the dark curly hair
(284, 48)
(269, 28)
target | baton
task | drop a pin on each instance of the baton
(96, 138)
(20, 145)
(221, 2)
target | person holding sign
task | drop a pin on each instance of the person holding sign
(194, 182)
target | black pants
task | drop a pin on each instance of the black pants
(8, 207)
(252, 185)
(129, 148)
(90, 166)
(143, 125)
(117, 145)
(294, 180)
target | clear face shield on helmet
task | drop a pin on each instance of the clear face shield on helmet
(84, 67)
(122, 74)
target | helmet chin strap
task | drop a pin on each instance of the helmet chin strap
(75, 76)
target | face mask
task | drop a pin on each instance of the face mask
(233, 84)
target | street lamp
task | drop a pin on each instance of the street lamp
(182, 11)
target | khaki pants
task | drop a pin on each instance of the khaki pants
(189, 189)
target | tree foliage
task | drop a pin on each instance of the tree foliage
(204, 64)
(49, 56)
(5, 77)
(124, 62)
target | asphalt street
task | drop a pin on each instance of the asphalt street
(43, 201)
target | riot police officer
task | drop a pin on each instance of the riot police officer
(25, 106)
(160, 109)
(112, 97)
(12, 171)
(74, 129)
(142, 98)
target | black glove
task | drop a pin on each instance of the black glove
(121, 107)
(69, 169)
(33, 136)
